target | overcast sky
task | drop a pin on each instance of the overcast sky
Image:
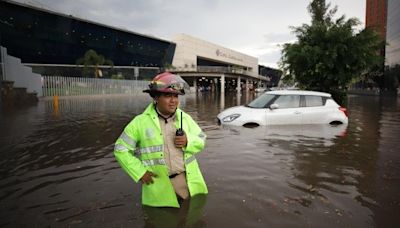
(253, 27)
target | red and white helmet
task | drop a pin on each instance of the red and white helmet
(167, 83)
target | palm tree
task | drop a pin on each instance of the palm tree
(91, 62)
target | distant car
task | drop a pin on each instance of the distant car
(285, 107)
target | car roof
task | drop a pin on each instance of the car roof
(298, 92)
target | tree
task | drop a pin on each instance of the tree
(328, 54)
(91, 62)
(168, 66)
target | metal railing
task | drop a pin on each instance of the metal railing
(218, 69)
(72, 86)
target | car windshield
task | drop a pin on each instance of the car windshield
(261, 101)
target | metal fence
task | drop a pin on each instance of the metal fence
(120, 72)
(72, 86)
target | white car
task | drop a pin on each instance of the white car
(285, 107)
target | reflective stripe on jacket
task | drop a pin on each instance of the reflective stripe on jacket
(140, 149)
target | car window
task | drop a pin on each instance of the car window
(313, 101)
(261, 101)
(288, 101)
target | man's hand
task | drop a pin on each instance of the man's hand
(147, 178)
(180, 141)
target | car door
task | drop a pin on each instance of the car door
(287, 111)
(313, 109)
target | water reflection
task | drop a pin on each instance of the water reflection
(189, 215)
(58, 170)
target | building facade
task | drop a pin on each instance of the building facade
(192, 52)
(51, 43)
(39, 36)
(393, 33)
(210, 66)
(376, 15)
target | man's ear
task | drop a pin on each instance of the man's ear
(155, 99)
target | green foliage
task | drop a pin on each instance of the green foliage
(91, 62)
(328, 54)
(169, 66)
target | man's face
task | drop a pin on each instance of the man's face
(167, 103)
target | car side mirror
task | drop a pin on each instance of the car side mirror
(274, 106)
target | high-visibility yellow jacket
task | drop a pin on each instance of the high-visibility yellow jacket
(140, 148)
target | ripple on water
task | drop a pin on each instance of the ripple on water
(60, 171)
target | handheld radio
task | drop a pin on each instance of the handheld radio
(179, 132)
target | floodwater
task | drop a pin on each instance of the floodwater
(57, 168)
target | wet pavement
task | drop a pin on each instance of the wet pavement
(58, 170)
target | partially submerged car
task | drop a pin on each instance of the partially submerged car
(285, 107)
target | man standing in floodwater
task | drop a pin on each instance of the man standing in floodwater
(158, 146)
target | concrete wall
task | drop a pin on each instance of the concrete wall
(189, 48)
(21, 75)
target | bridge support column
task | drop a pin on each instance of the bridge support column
(238, 86)
(223, 84)
(195, 84)
(222, 102)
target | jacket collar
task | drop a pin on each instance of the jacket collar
(151, 111)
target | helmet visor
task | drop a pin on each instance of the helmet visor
(173, 85)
